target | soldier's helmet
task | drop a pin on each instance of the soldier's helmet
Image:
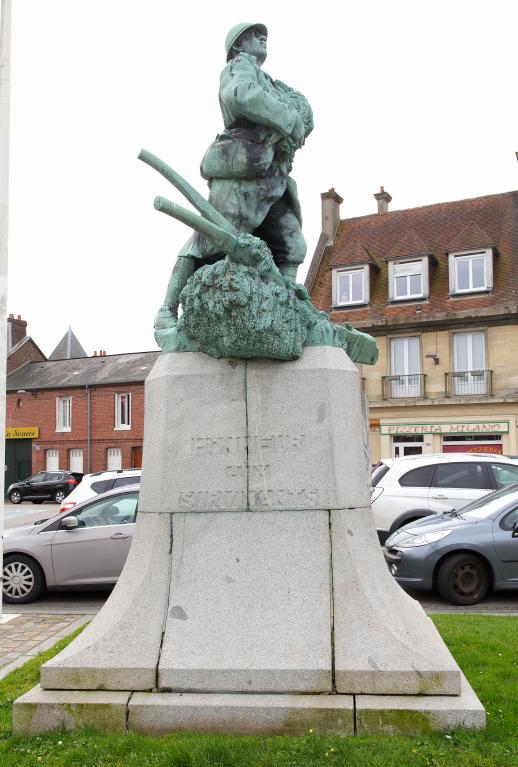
(237, 30)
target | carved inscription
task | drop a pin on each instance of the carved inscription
(259, 500)
(230, 454)
(212, 500)
(255, 472)
(286, 499)
(226, 446)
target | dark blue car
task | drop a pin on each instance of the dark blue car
(462, 553)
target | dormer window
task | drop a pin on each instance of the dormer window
(471, 271)
(408, 279)
(351, 286)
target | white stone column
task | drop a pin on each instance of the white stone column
(5, 41)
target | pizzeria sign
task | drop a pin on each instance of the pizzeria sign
(451, 427)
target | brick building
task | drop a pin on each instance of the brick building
(21, 348)
(438, 288)
(84, 414)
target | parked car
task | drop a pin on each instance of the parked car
(406, 489)
(100, 482)
(83, 548)
(44, 486)
(463, 553)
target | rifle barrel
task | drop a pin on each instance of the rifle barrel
(188, 191)
(223, 240)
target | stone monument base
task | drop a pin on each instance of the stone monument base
(255, 598)
(148, 713)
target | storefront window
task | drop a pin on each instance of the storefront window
(472, 443)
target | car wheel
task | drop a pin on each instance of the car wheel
(59, 496)
(463, 579)
(23, 579)
(15, 496)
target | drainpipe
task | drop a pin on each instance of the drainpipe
(88, 418)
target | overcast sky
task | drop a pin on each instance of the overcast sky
(419, 97)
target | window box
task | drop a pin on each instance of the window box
(351, 286)
(470, 271)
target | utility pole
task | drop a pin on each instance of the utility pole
(5, 87)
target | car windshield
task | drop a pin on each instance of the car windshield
(378, 472)
(490, 504)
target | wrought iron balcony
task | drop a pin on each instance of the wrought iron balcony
(469, 383)
(397, 386)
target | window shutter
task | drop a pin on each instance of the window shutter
(390, 280)
(451, 272)
(489, 268)
(426, 276)
(334, 287)
(366, 283)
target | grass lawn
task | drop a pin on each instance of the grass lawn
(485, 647)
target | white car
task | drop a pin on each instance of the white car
(100, 482)
(409, 488)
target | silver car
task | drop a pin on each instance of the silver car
(463, 553)
(86, 547)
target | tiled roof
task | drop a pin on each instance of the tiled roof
(409, 245)
(356, 253)
(433, 229)
(92, 371)
(472, 236)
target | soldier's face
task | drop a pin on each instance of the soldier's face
(253, 41)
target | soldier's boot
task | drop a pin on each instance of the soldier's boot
(167, 315)
(289, 271)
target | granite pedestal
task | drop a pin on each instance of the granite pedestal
(255, 597)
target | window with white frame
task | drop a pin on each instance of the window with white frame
(471, 271)
(76, 460)
(408, 279)
(114, 459)
(405, 367)
(63, 413)
(351, 286)
(469, 362)
(52, 460)
(123, 411)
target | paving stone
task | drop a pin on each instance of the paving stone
(160, 713)
(249, 604)
(203, 444)
(418, 715)
(307, 446)
(119, 649)
(384, 641)
(40, 711)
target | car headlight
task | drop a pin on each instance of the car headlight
(424, 539)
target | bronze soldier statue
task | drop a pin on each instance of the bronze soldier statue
(236, 275)
(248, 165)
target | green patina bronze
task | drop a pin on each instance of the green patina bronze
(236, 276)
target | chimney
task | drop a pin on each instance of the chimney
(331, 202)
(383, 199)
(16, 330)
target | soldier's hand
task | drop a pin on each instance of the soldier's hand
(298, 133)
